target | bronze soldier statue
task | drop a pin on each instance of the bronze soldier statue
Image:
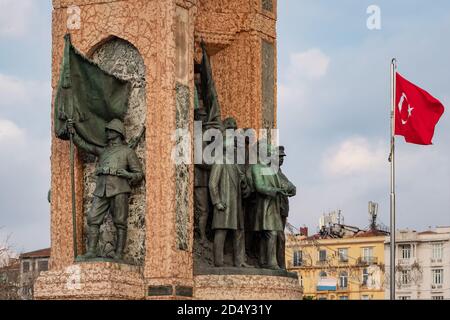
(118, 167)
(268, 220)
(291, 191)
(227, 186)
(201, 183)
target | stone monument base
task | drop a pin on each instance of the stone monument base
(92, 281)
(247, 287)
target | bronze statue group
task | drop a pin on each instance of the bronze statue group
(249, 202)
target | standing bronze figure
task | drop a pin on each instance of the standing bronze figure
(227, 187)
(117, 169)
(291, 191)
(201, 183)
(268, 220)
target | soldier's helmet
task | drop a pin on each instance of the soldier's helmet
(116, 125)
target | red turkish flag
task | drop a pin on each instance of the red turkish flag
(416, 112)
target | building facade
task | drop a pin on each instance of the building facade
(347, 268)
(422, 264)
(31, 265)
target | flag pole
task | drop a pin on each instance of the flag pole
(392, 161)
(72, 184)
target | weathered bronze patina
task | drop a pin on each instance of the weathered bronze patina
(89, 104)
(291, 191)
(117, 169)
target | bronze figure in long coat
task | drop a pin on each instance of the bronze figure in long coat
(268, 220)
(227, 185)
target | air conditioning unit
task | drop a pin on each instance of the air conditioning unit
(436, 286)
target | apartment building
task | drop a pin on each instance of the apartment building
(343, 268)
(422, 264)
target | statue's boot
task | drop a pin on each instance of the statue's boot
(219, 243)
(272, 262)
(120, 245)
(203, 219)
(262, 259)
(239, 249)
(93, 236)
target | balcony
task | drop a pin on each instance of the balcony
(365, 261)
(405, 262)
(436, 261)
(297, 264)
(343, 289)
(436, 287)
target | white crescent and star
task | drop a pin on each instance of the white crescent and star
(400, 107)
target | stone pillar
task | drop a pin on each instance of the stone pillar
(241, 39)
(162, 31)
(168, 267)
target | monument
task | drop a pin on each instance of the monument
(127, 221)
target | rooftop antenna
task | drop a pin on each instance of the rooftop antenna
(373, 213)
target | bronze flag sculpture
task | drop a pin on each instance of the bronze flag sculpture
(89, 107)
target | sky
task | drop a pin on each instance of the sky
(333, 112)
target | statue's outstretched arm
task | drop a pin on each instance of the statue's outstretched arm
(89, 148)
(81, 143)
(260, 185)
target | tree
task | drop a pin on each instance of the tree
(9, 271)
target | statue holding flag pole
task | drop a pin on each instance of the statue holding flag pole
(89, 107)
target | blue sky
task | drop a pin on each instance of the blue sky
(333, 112)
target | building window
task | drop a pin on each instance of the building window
(405, 251)
(365, 297)
(343, 280)
(323, 274)
(437, 298)
(405, 277)
(404, 298)
(298, 256)
(368, 254)
(438, 251)
(343, 298)
(26, 266)
(322, 255)
(365, 276)
(343, 255)
(437, 276)
(43, 265)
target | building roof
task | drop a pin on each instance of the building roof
(428, 232)
(43, 253)
(371, 233)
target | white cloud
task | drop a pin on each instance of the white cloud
(10, 133)
(355, 155)
(12, 90)
(312, 63)
(296, 88)
(15, 16)
(16, 92)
